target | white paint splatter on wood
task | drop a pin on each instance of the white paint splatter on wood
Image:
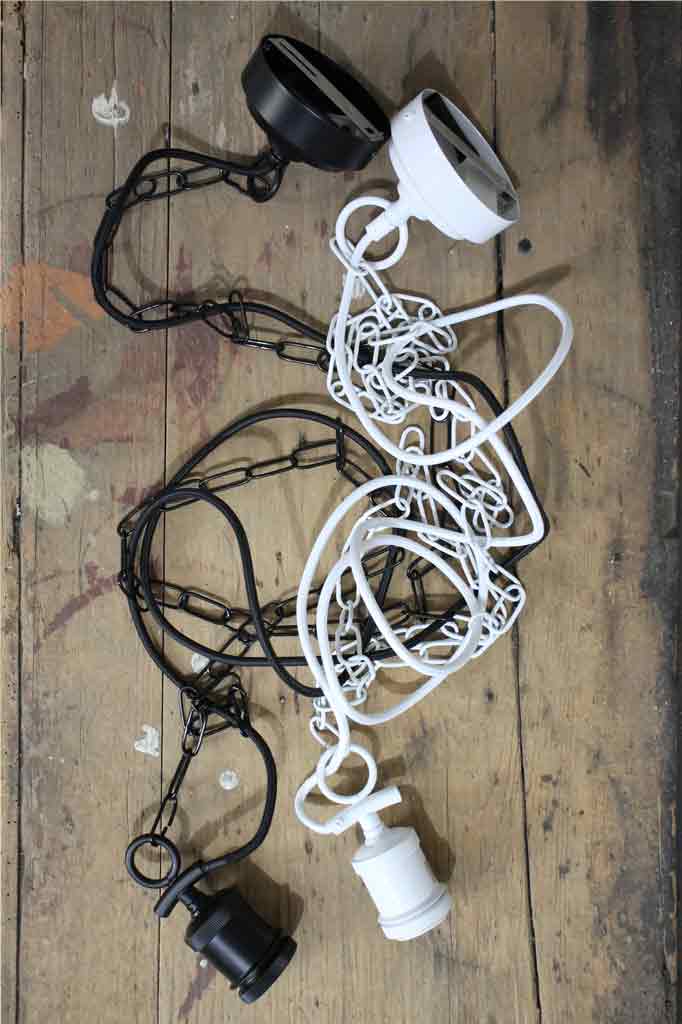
(148, 743)
(221, 135)
(198, 662)
(110, 110)
(54, 483)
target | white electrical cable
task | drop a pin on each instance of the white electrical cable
(374, 356)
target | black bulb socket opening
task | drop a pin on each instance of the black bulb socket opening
(229, 933)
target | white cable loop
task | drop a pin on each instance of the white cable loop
(450, 523)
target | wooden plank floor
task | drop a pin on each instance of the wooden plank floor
(543, 780)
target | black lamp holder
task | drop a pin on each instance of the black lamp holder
(223, 927)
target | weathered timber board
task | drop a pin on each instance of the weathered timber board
(542, 780)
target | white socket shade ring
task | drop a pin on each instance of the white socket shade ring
(448, 173)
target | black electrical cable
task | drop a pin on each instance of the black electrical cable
(137, 531)
(177, 885)
(200, 869)
(208, 702)
(280, 664)
(140, 587)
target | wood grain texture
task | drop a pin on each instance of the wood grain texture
(542, 781)
(220, 240)
(11, 249)
(92, 434)
(597, 638)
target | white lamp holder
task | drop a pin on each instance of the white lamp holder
(393, 867)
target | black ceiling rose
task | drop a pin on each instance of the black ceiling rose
(312, 110)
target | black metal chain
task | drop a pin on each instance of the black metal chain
(262, 176)
(143, 188)
(312, 352)
(205, 707)
(195, 709)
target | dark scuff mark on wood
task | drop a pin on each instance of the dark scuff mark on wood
(609, 87)
(265, 258)
(657, 62)
(16, 529)
(548, 820)
(418, 748)
(561, 34)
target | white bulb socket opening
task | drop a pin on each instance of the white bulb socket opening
(447, 174)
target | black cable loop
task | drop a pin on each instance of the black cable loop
(153, 595)
(281, 665)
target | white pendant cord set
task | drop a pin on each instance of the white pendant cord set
(449, 175)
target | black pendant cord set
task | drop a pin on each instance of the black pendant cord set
(315, 112)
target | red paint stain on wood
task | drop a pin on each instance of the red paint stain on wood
(91, 573)
(79, 258)
(194, 372)
(133, 495)
(115, 420)
(78, 418)
(97, 587)
(54, 412)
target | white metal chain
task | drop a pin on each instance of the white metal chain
(374, 356)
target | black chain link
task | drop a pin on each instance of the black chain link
(145, 187)
(237, 476)
(239, 332)
(258, 179)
